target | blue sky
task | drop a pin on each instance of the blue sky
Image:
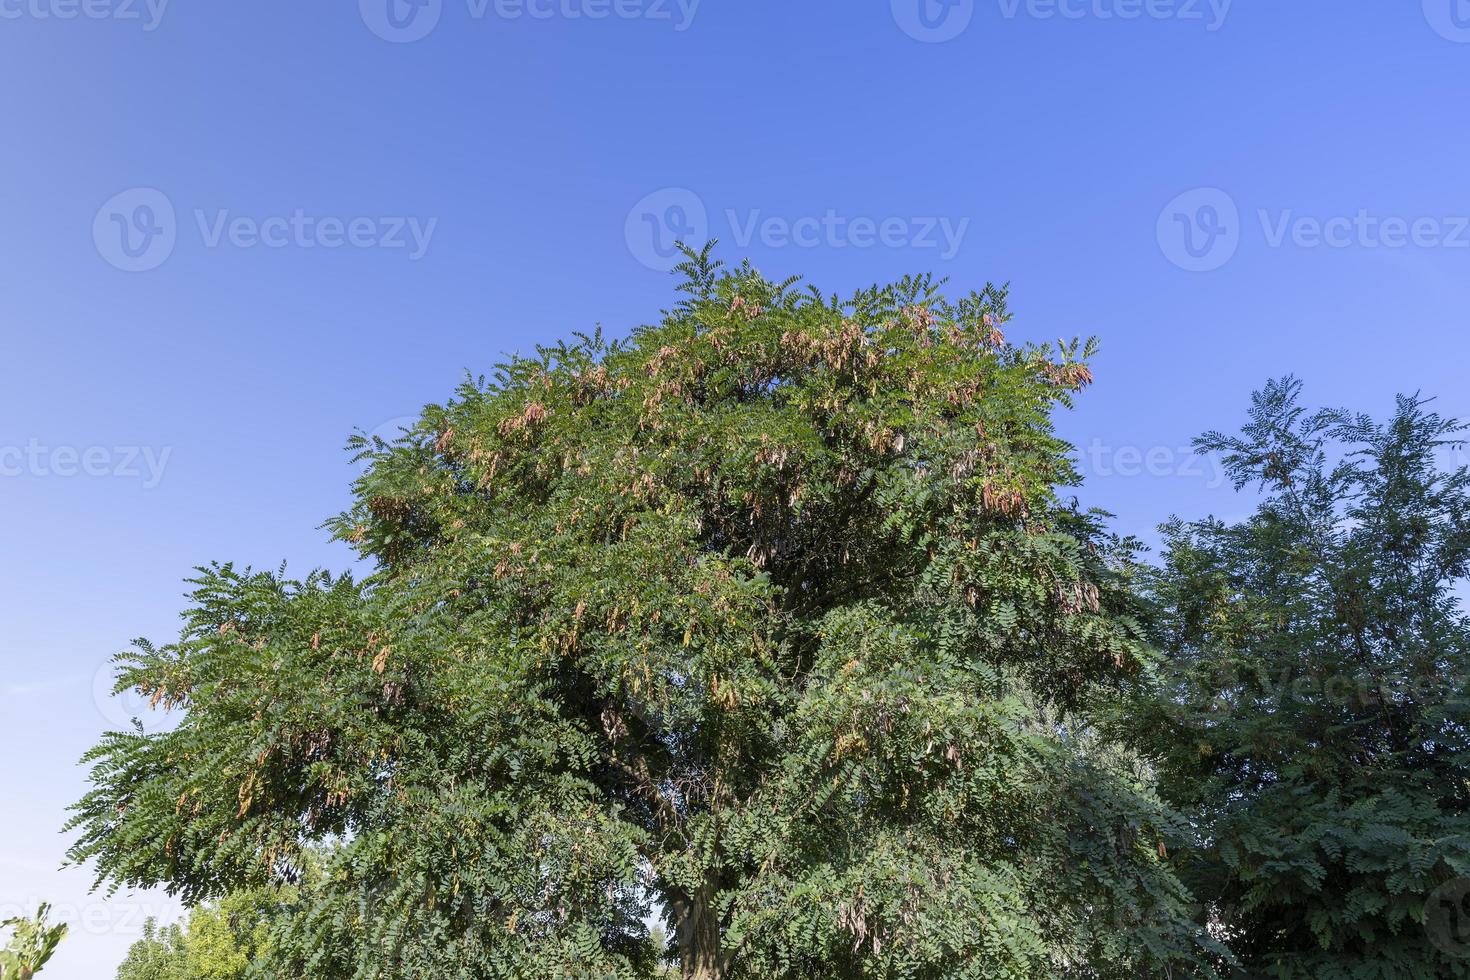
(233, 233)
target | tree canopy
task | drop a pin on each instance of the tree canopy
(220, 940)
(1314, 722)
(770, 622)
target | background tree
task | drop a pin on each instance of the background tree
(220, 941)
(768, 621)
(1316, 729)
(32, 943)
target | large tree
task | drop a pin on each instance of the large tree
(1317, 728)
(768, 621)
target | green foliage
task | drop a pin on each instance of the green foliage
(32, 943)
(767, 621)
(221, 941)
(1316, 730)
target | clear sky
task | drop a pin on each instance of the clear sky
(234, 232)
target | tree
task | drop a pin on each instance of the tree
(32, 943)
(768, 622)
(1316, 726)
(160, 955)
(220, 942)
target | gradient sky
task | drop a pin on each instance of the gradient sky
(234, 232)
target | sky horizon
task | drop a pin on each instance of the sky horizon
(237, 234)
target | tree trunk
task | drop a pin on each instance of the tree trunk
(697, 933)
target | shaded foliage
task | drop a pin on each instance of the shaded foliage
(1317, 729)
